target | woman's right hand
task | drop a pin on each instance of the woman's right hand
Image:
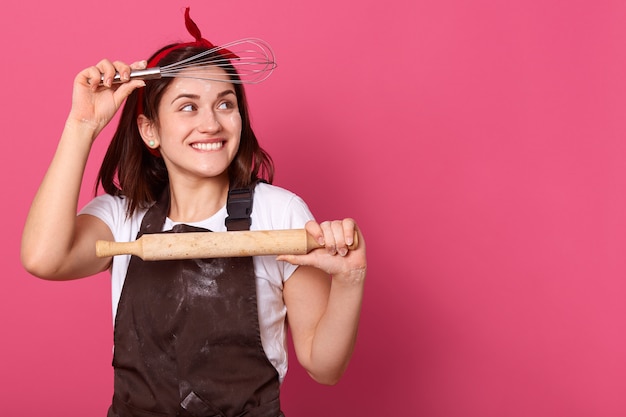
(94, 104)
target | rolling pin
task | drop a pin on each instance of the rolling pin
(198, 245)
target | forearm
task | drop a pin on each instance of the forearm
(335, 335)
(49, 229)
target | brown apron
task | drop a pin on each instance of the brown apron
(187, 339)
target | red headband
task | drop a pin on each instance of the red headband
(194, 31)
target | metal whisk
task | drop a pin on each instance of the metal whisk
(253, 62)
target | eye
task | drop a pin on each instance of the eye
(188, 107)
(226, 105)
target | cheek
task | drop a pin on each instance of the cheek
(235, 122)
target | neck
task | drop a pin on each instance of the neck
(199, 200)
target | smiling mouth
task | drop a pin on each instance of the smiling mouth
(213, 146)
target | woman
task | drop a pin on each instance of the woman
(197, 337)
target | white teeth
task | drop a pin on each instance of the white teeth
(208, 146)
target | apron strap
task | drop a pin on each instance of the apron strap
(239, 208)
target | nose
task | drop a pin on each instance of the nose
(209, 123)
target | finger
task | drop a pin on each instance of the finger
(329, 237)
(340, 237)
(123, 70)
(89, 77)
(349, 229)
(287, 258)
(314, 229)
(125, 89)
(139, 64)
(107, 72)
(299, 260)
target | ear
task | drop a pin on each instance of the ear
(147, 130)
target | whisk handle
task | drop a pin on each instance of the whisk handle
(144, 74)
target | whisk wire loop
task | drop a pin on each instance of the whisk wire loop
(245, 61)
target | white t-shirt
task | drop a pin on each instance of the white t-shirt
(274, 208)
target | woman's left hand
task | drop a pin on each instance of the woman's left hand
(335, 257)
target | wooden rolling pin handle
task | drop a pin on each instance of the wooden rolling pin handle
(106, 248)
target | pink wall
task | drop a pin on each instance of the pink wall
(480, 144)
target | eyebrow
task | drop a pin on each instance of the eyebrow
(197, 97)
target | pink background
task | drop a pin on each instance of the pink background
(480, 144)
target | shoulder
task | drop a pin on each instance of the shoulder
(265, 190)
(276, 196)
(106, 207)
(112, 211)
(278, 208)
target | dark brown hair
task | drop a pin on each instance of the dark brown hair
(129, 169)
